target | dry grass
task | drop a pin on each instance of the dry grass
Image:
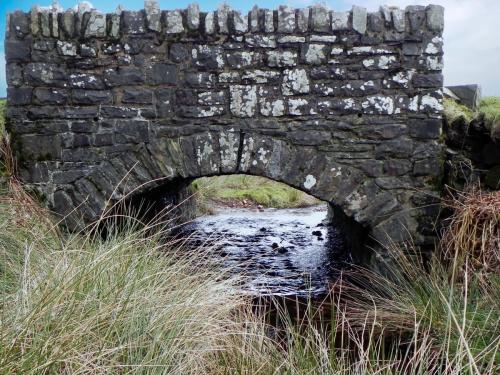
(472, 236)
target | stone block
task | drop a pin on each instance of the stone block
(17, 51)
(193, 17)
(286, 19)
(240, 23)
(223, 12)
(153, 14)
(96, 25)
(303, 20)
(295, 81)
(137, 96)
(173, 22)
(282, 58)
(123, 77)
(359, 19)
(90, 97)
(162, 73)
(314, 54)
(320, 19)
(133, 22)
(19, 95)
(50, 96)
(243, 100)
(435, 17)
(340, 21)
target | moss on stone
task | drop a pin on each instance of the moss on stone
(454, 111)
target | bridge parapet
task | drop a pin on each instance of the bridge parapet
(344, 105)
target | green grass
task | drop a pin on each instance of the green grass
(454, 111)
(252, 190)
(490, 108)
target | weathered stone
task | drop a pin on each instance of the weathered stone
(35, 20)
(359, 19)
(223, 12)
(320, 18)
(209, 57)
(123, 76)
(323, 38)
(68, 23)
(45, 74)
(173, 22)
(193, 16)
(435, 17)
(286, 19)
(356, 124)
(45, 22)
(240, 23)
(17, 50)
(254, 16)
(66, 48)
(50, 96)
(261, 41)
(19, 95)
(243, 100)
(114, 28)
(200, 79)
(416, 16)
(164, 74)
(399, 19)
(153, 14)
(272, 107)
(268, 21)
(260, 76)
(425, 128)
(281, 58)
(303, 20)
(340, 21)
(314, 54)
(96, 25)
(241, 59)
(133, 22)
(91, 97)
(19, 24)
(137, 96)
(295, 81)
(210, 23)
(434, 80)
(375, 22)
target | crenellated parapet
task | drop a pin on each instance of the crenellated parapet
(84, 22)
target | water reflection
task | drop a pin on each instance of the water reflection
(284, 252)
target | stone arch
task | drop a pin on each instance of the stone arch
(356, 199)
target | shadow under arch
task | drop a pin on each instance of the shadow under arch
(367, 213)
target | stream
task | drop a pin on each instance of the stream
(280, 252)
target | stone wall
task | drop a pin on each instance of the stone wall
(344, 105)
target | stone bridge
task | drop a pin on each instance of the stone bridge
(343, 105)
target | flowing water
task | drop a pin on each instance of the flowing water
(281, 252)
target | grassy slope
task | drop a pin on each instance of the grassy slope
(244, 190)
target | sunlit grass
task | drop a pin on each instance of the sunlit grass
(250, 190)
